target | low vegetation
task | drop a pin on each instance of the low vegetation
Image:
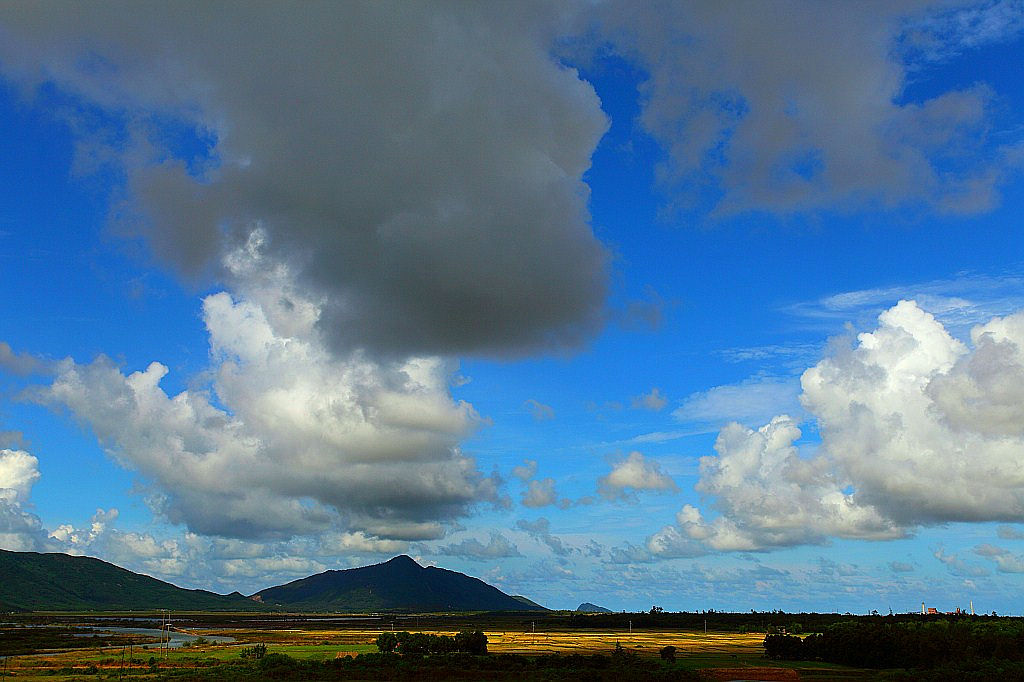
(944, 648)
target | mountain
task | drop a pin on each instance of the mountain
(587, 607)
(529, 602)
(60, 582)
(400, 584)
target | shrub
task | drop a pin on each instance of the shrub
(387, 642)
(255, 652)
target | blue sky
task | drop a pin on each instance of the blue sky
(695, 305)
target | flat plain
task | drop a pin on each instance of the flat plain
(733, 655)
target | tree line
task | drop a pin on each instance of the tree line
(422, 643)
(907, 644)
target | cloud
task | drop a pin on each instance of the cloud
(540, 493)
(958, 566)
(1005, 560)
(900, 567)
(18, 473)
(920, 424)
(803, 107)
(917, 428)
(650, 401)
(77, 540)
(418, 168)
(671, 543)
(537, 492)
(17, 363)
(541, 529)
(539, 411)
(629, 554)
(525, 471)
(752, 401)
(20, 530)
(634, 473)
(287, 438)
(767, 496)
(1009, 533)
(498, 547)
(960, 303)
(945, 34)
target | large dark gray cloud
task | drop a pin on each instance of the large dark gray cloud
(417, 165)
(802, 105)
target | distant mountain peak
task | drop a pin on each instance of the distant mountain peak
(402, 560)
(398, 584)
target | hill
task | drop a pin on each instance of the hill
(400, 584)
(529, 602)
(60, 582)
(587, 607)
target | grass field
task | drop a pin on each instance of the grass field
(737, 652)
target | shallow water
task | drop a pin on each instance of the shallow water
(173, 639)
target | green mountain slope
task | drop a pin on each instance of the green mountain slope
(396, 585)
(59, 582)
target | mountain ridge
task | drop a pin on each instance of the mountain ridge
(33, 581)
(398, 584)
(53, 581)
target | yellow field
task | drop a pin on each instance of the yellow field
(560, 642)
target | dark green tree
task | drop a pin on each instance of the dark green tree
(387, 642)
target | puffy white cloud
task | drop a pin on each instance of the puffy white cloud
(419, 167)
(18, 473)
(921, 425)
(800, 106)
(540, 493)
(289, 438)
(537, 492)
(498, 547)
(767, 496)
(916, 428)
(634, 473)
(20, 529)
(76, 540)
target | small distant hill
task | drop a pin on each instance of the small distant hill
(587, 607)
(399, 584)
(31, 581)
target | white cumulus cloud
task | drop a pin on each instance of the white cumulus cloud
(634, 473)
(288, 438)
(916, 428)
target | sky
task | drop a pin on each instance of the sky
(699, 305)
